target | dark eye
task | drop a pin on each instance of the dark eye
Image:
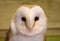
(23, 19)
(36, 18)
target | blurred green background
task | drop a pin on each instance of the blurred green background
(51, 8)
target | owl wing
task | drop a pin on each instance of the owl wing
(8, 35)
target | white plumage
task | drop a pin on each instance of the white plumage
(29, 24)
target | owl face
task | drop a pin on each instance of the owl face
(29, 20)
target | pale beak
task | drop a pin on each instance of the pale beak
(30, 24)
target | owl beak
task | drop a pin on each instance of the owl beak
(30, 24)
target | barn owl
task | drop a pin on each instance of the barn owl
(28, 24)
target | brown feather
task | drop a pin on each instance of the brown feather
(8, 35)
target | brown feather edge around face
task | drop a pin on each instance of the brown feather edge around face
(29, 6)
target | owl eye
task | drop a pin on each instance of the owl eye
(36, 18)
(23, 19)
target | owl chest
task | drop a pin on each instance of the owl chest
(28, 38)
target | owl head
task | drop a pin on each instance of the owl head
(29, 20)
